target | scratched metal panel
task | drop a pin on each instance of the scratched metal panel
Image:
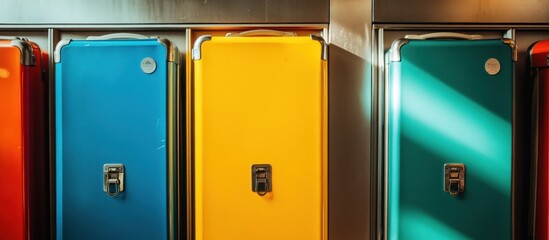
(350, 121)
(463, 11)
(162, 11)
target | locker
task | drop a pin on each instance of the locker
(538, 60)
(24, 196)
(260, 135)
(116, 138)
(449, 137)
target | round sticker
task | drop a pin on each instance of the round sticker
(492, 66)
(148, 65)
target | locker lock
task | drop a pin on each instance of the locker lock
(113, 179)
(261, 178)
(454, 178)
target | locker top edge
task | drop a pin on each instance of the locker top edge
(395, 49)
(172, 52)
(324, 45)
(514, 49)
(396, 46)
(26, 49)
(196, 53)
(196, 48)
(60, 45)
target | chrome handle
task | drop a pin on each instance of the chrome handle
(118, 36)
(443, 35)
(261, 32)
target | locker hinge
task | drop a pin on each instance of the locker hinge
(261, 178)
(113, 179)
(454, 178)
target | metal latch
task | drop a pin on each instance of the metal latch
(113, 179)
(261, 178)
(454, 178)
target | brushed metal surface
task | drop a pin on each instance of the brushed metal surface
(163, 11)
(464, 11)
(350, 100)
(53, 38)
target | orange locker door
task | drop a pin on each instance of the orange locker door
(12, 215)
(260, 134)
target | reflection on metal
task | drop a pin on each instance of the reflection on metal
(117, 36)
(172, 54)
(351, 203)
(513, 47)
(196, 48)
(261, 32)
(27, 56)
(168, 11)
(60, 45)
(443, 35)
(395, 49)
(466, 11)
(510, 34)
(323, 44)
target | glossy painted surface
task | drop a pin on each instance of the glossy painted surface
(445, 108)
(108, 110)
(538, 54)
(36, 123)
(260, 100)
(12, 196)
(25, 196)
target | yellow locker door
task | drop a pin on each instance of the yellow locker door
(260, 100)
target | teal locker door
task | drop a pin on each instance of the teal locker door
(450, 102)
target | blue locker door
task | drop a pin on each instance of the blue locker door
(112, 110)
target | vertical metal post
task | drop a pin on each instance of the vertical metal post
(53, 38)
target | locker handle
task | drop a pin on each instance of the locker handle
(118, 36)
(261, 32)
(113, 179)
(443, 35)
(454, 178)
(261, 179)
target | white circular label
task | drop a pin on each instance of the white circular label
(148, 65)
(492, 66)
